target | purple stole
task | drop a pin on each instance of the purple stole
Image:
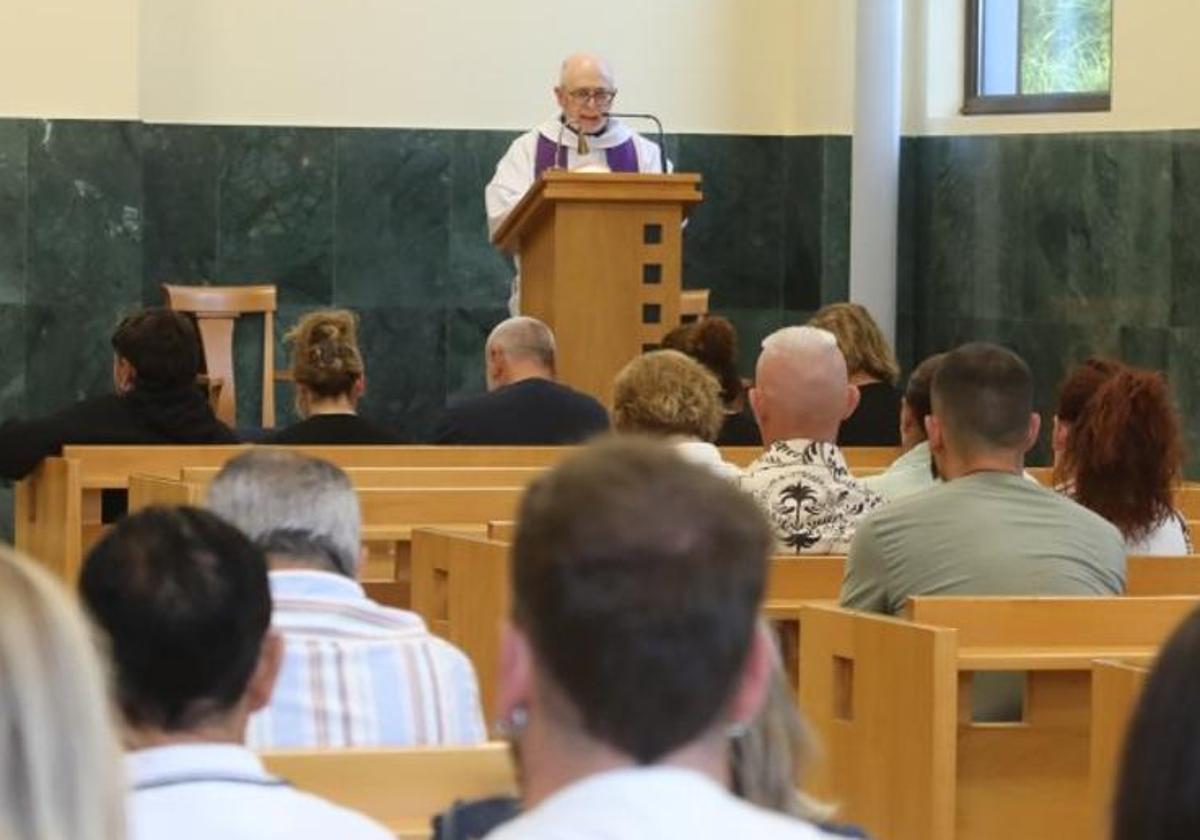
(622, 158)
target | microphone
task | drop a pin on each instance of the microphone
(662, 137)
(558, 146)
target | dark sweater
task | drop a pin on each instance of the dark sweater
(740, 429)
(143, 416)
(332, 429)
(531, 412)
(876, 421)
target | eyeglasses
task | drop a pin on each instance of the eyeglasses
(601, 96)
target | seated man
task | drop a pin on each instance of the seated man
(523, 405)
(355, 673)
(635, 652)
(157, 400)
(986, 530)
(913, 471)
(800, 397)
(184, 601)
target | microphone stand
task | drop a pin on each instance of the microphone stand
(662, 137)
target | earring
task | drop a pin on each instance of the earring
(737, 729)
(512, 726)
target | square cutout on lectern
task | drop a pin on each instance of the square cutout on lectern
(652, 234)
(652, 274)
(651, 313)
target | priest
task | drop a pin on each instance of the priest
(582, 137)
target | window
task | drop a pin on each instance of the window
(1038, 55)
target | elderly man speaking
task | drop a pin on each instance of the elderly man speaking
(582, 135)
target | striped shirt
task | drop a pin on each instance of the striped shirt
(358, 674)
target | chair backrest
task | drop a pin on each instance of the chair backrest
(215, 309)
(404, 788)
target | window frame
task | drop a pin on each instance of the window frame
(975, 103)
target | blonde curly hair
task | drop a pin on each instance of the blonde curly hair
(325, 356)
(666, 392)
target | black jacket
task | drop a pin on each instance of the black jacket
(332, 429)
(531, 412)
(143, 416)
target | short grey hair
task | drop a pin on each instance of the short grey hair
(524, 337)
(800, 340)
(292, 505)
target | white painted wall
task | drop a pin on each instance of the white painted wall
(1156, 73)
(724, 66)
(69, 58)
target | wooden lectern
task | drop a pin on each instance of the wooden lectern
(601, 258)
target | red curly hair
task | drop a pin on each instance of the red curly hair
(1124, 452)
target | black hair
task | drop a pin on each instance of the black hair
(162, 345)
(983, 394)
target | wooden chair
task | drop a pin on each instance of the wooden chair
(215, 309)
(404, 788)
(1116, 687)
(693, 305)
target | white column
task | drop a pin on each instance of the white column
(875, 183)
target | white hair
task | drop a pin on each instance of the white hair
(800, 340)
(522, 337)
(292, 504)
(62, 773)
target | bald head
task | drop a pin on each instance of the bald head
(519, 348)
(581, 74)
(801, 387)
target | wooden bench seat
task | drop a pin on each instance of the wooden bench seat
(404, 788)
(1116, 687)
(891, 700)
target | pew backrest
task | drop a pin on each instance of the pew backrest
(1158, 575)
(794, 577)
(363, 477)
(1116, 687)
(401, 788)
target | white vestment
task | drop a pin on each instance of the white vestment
(515, 173)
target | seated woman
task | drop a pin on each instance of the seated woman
(327, 369)
(62, 774)
(1160, 768)
(667, 394)
(157, 399)
(872, 367)
(712, 342)
(1117, 451)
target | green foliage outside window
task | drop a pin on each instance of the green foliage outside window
(1066, 46)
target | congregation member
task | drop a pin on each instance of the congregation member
(524, 405)
(1155, 796)
(61, 775)
(800, 397)
(873, 370)
(634, 652)
(669, 395)
(330, 379)
(354, 673)
(156, 398)
(1118, 451)
(914, 470)
(184, 602)
(986, 530)
(582, 136)
(712, 341)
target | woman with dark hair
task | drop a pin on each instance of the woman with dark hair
(1156, 796)
(712, 342)
(1118, 451)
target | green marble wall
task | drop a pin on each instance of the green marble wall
(95, 215)
(1059, 246)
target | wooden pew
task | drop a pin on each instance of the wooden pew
(57, 507)
(402, 789)
(1187, 501)
(501, 530)
(858, 681)
(460, 586)
(408, 476)
(1116, 687)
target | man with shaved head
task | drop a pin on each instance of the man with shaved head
(523, 405)
(801, 395)
(580, 136)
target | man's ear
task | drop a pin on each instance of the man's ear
(1035, 426)
(516, 672)
(358, 388)
(933, 431)
(853, 395)
(262, 681)
(751, 693)
(756, 405)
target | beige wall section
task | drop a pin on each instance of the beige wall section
(1155, 66)
(69, 58)
(737, 66)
